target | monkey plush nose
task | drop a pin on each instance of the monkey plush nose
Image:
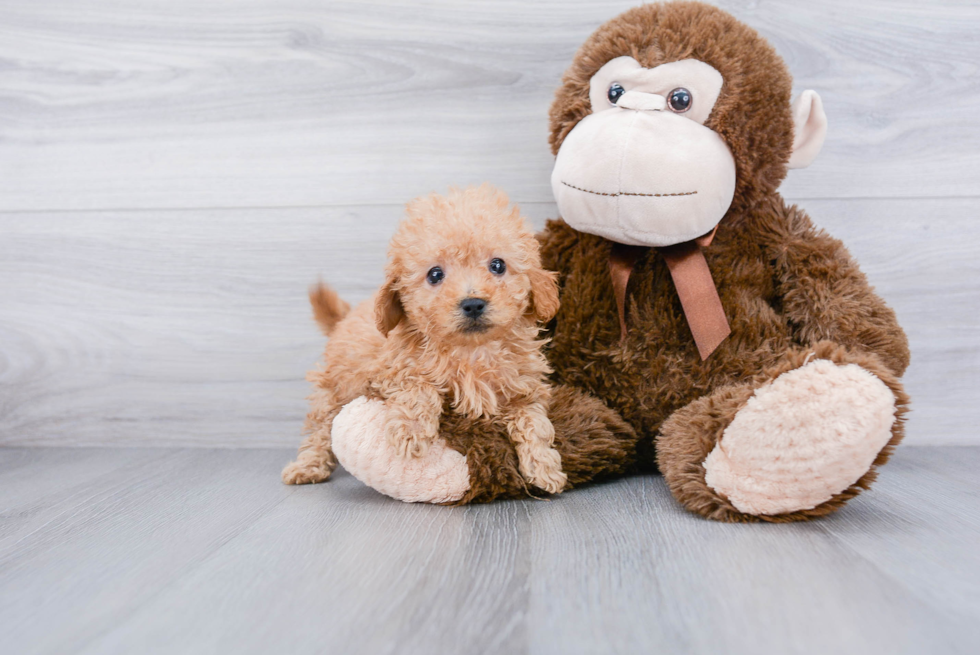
(473, 308)
(641, 101)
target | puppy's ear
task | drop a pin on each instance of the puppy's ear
(544, 294)
(388, 309)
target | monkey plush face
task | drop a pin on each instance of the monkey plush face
(671, 117)
(642, 168)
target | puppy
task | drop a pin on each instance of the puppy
(453, 326)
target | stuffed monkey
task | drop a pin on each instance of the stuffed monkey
(707, 329)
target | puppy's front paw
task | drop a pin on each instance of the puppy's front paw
(409, 438)
(305, 472)
(542, 468)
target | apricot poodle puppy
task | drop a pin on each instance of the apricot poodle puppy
(454, 325)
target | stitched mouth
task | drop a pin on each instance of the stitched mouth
(625, 193)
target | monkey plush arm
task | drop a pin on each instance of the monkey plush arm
(475, 460)
(825, 296)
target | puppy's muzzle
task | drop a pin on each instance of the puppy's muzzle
(473, 310)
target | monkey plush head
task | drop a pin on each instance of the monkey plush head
(670, 117)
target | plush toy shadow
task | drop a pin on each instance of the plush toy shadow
(706, 328)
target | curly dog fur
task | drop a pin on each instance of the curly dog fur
(419, 346)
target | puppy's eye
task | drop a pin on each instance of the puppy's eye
(615, 92)
(434, 276)
(497, 266)
(679, 100)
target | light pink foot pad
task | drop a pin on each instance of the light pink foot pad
(801, 439)
(358, 440)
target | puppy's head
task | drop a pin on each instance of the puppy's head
(465, 267)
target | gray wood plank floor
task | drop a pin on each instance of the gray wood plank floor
(204, 551)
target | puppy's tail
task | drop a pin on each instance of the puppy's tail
(328, 308)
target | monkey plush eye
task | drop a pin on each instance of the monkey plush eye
(679, 100)
(497, 266)
(615, 92)
(434, 276)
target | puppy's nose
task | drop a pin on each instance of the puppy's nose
(473, 307)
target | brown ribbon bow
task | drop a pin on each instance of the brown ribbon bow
(692, 279)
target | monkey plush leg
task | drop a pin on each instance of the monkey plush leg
(797, 441)
(475, 461)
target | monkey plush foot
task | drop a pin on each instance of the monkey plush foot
(796, 441)
(802, 439)
(439, 476)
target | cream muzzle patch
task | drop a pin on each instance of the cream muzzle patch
(638, 171)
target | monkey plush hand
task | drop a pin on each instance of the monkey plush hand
(750, 360)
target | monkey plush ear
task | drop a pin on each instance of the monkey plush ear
(388, 309)
(544, 294)
(809, 129)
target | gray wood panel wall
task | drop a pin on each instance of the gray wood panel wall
(173, 174)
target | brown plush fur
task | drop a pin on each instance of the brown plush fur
(413, 345)
(789, 290)
(782, 283)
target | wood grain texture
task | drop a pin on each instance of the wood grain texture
(174, 175)
(262, 103)
(203, 551)
(193, 328)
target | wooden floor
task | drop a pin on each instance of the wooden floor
(200, 551)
